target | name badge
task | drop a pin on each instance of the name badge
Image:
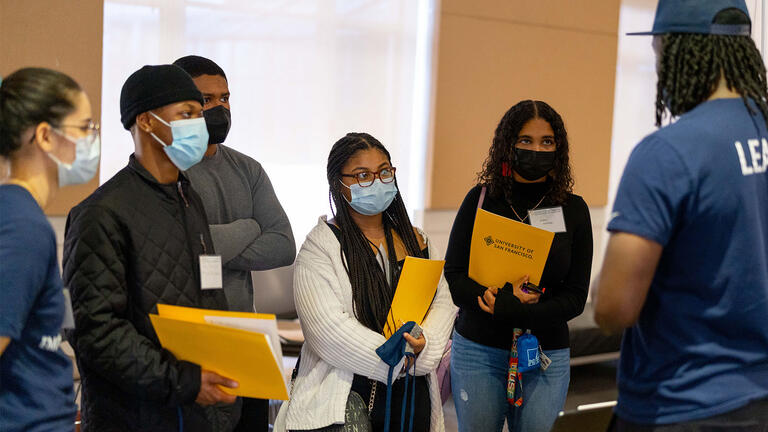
(550, 219)
(69, 318)
(210, 272)
(545, 361)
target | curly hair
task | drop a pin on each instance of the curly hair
(496, 175)
(690, 67)
(371, 293)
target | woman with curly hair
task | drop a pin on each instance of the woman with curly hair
(527, 168)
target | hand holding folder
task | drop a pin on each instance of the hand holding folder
(414, 293)
(239, 345)
(210, 389)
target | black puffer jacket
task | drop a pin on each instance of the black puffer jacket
(130, 245)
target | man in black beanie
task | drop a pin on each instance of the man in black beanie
(137, 241)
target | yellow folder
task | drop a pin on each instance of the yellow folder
(237, 345)
(198, 315)
(504, 250)
(414, 293)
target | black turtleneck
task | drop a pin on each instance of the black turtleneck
(565, 277)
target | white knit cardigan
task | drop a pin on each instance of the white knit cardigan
(337, 346)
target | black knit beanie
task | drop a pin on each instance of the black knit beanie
(155, 86)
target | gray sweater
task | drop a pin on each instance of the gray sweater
(249, 227)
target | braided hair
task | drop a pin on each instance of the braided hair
(690, 67)
(371, 293)
(496, 174)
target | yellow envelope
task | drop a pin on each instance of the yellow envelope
(415, 292)
(504, 250)
(198, 315)
(226, 343)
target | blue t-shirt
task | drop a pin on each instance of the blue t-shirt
(699, 188)
(36, 391)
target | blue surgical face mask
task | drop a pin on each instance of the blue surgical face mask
(373, 199)
(190, 140)
(86, 163)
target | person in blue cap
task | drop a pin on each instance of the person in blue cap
(686, 269)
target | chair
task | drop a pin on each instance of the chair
(273, 292)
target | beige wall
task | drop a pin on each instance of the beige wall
(494, 53)
(65, 35)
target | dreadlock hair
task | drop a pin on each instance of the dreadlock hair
(691, 65)
(371, 293)
(496, 174)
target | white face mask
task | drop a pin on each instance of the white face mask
(86, 163)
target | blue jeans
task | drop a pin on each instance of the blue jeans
(479, 386)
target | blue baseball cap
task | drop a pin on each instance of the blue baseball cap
(696, 16)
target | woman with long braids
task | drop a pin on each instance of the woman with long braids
(527, 169)
(344, 282)
(685, 275)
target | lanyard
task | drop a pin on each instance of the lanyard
(514, 375)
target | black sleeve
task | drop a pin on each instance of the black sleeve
(104, 339)
(565, 303)
(464, 290)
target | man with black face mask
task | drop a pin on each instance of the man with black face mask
(248, 225)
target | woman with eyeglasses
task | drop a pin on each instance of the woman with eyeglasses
(344, 281)
(49, 140)
(527, 169)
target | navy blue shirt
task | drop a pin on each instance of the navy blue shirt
(698, 188)
(35, 375)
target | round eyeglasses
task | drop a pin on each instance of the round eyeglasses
(366, 178)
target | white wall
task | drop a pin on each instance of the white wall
(635, 96)
(301, 73)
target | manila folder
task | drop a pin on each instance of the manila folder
(415, 292)
(504, 250)
(241, 355)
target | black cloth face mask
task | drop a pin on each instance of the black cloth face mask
(218, 120)
(533, 165)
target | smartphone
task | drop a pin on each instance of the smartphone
(415, 332)
(533, 288)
